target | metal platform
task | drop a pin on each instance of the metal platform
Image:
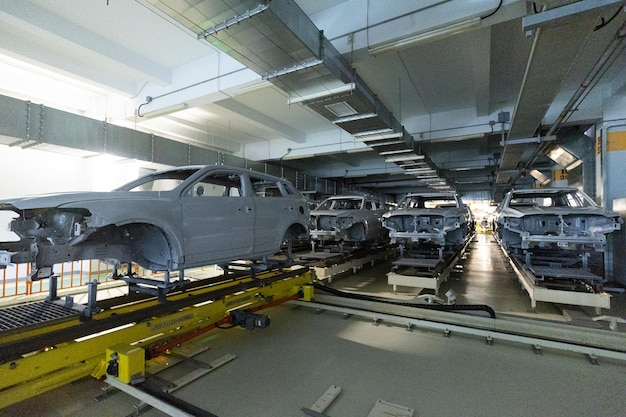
(418, 262)
(313, 256)
(527, 276)
(428, 272)
(575, 273)
(23, 315)
(353, 264)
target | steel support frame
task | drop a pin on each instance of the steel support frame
(353, 265)
(428, 281)
(52, 367)
(537, 293)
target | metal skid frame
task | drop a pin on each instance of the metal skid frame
(531, 276)
(528, 280)
(350, 264)
(430, 272)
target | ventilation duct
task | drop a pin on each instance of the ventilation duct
(277, 40)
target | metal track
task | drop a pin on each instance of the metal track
(17, 348)
(591, 342)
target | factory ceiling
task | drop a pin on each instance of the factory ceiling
(389, 96)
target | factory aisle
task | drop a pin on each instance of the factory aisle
(290, 364)
(484, 276)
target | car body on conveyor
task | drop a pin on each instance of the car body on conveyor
(548, 219)
(168, 220)
(348, 219)
(430, 219)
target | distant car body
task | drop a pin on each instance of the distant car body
(351, 219)
(430, 220)
(169, 220)
(553, 218)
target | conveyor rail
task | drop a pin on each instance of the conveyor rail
(590, 342)
(16, 348)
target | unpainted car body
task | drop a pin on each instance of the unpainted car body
(169, 220)
(352, 219)
(553, 218)
(437, 219)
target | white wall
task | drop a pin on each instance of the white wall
(25, 172)
(29, 171)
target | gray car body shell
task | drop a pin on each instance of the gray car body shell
(418, 225)
(160, 230)
(355, 225)
(561, 227)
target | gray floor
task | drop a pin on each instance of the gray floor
(289, 365)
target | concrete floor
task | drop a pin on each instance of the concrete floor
(290, 364)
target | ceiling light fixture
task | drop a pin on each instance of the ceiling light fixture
(416, 164)
(563, 157)
(346, 88)
(429, 36)
(165, 110)
(356, 117)
(573, 165)
(256, 85)
(468, 168)
(406, 151)
(408, 157)
(541, 178)
(386, 143)
(367, 136)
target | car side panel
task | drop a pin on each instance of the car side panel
(217, 228)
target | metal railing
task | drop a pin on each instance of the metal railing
(14, 279)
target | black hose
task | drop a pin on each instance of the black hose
(454, 308)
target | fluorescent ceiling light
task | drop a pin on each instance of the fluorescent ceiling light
(386, 143)
(574, 164)
(467, 168)
(406, 151)
(325, 93)
(165, 110)
(562, 156)
(455, 138)
(420, 170)
(429, 36)
(542, 179)
(256, 85)
(373, 132)
(417, 164)
(367, 136)
(408, 157)
(355, 117)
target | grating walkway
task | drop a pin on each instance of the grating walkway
(18, 316)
